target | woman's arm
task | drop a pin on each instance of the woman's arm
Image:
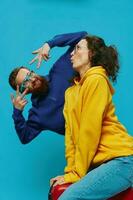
(69, 145)
(95, 100)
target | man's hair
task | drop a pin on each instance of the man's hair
(13, 75)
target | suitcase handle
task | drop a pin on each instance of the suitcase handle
(49, 194)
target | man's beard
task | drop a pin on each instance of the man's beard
(39, 86)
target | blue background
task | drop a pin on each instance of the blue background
(25, 170)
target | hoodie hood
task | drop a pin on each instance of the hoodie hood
(99, 70)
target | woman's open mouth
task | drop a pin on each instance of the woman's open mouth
(71, 60)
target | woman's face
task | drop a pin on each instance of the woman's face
(80, 55)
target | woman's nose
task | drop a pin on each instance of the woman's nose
(72, 53)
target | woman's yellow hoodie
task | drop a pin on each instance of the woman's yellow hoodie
(93, 133)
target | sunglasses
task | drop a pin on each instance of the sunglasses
(23, 85)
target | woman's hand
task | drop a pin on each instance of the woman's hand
(42, 54)
(59, 180)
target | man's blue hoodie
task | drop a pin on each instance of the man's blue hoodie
(46, 112)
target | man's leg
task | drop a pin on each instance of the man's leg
(103, 182)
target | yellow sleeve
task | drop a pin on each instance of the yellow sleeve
(69, 145)
(95, 98)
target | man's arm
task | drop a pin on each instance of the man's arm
(61, 40)
(26, 130)
(47, 117)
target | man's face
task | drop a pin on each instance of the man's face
(28, 79)
(80, 55)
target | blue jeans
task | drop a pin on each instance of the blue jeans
(103, 182)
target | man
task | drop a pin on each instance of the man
(47, 92)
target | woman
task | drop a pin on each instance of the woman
(99, 151)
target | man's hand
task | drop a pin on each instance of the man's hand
(59, 180)
(42, 54)
(19, 101)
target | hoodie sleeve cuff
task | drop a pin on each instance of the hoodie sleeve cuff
(71, 177)
(50, 43)
(17, 111)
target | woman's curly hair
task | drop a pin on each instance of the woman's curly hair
(102, 55)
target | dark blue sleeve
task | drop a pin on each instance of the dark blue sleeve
(26, 130)
(63, 40)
